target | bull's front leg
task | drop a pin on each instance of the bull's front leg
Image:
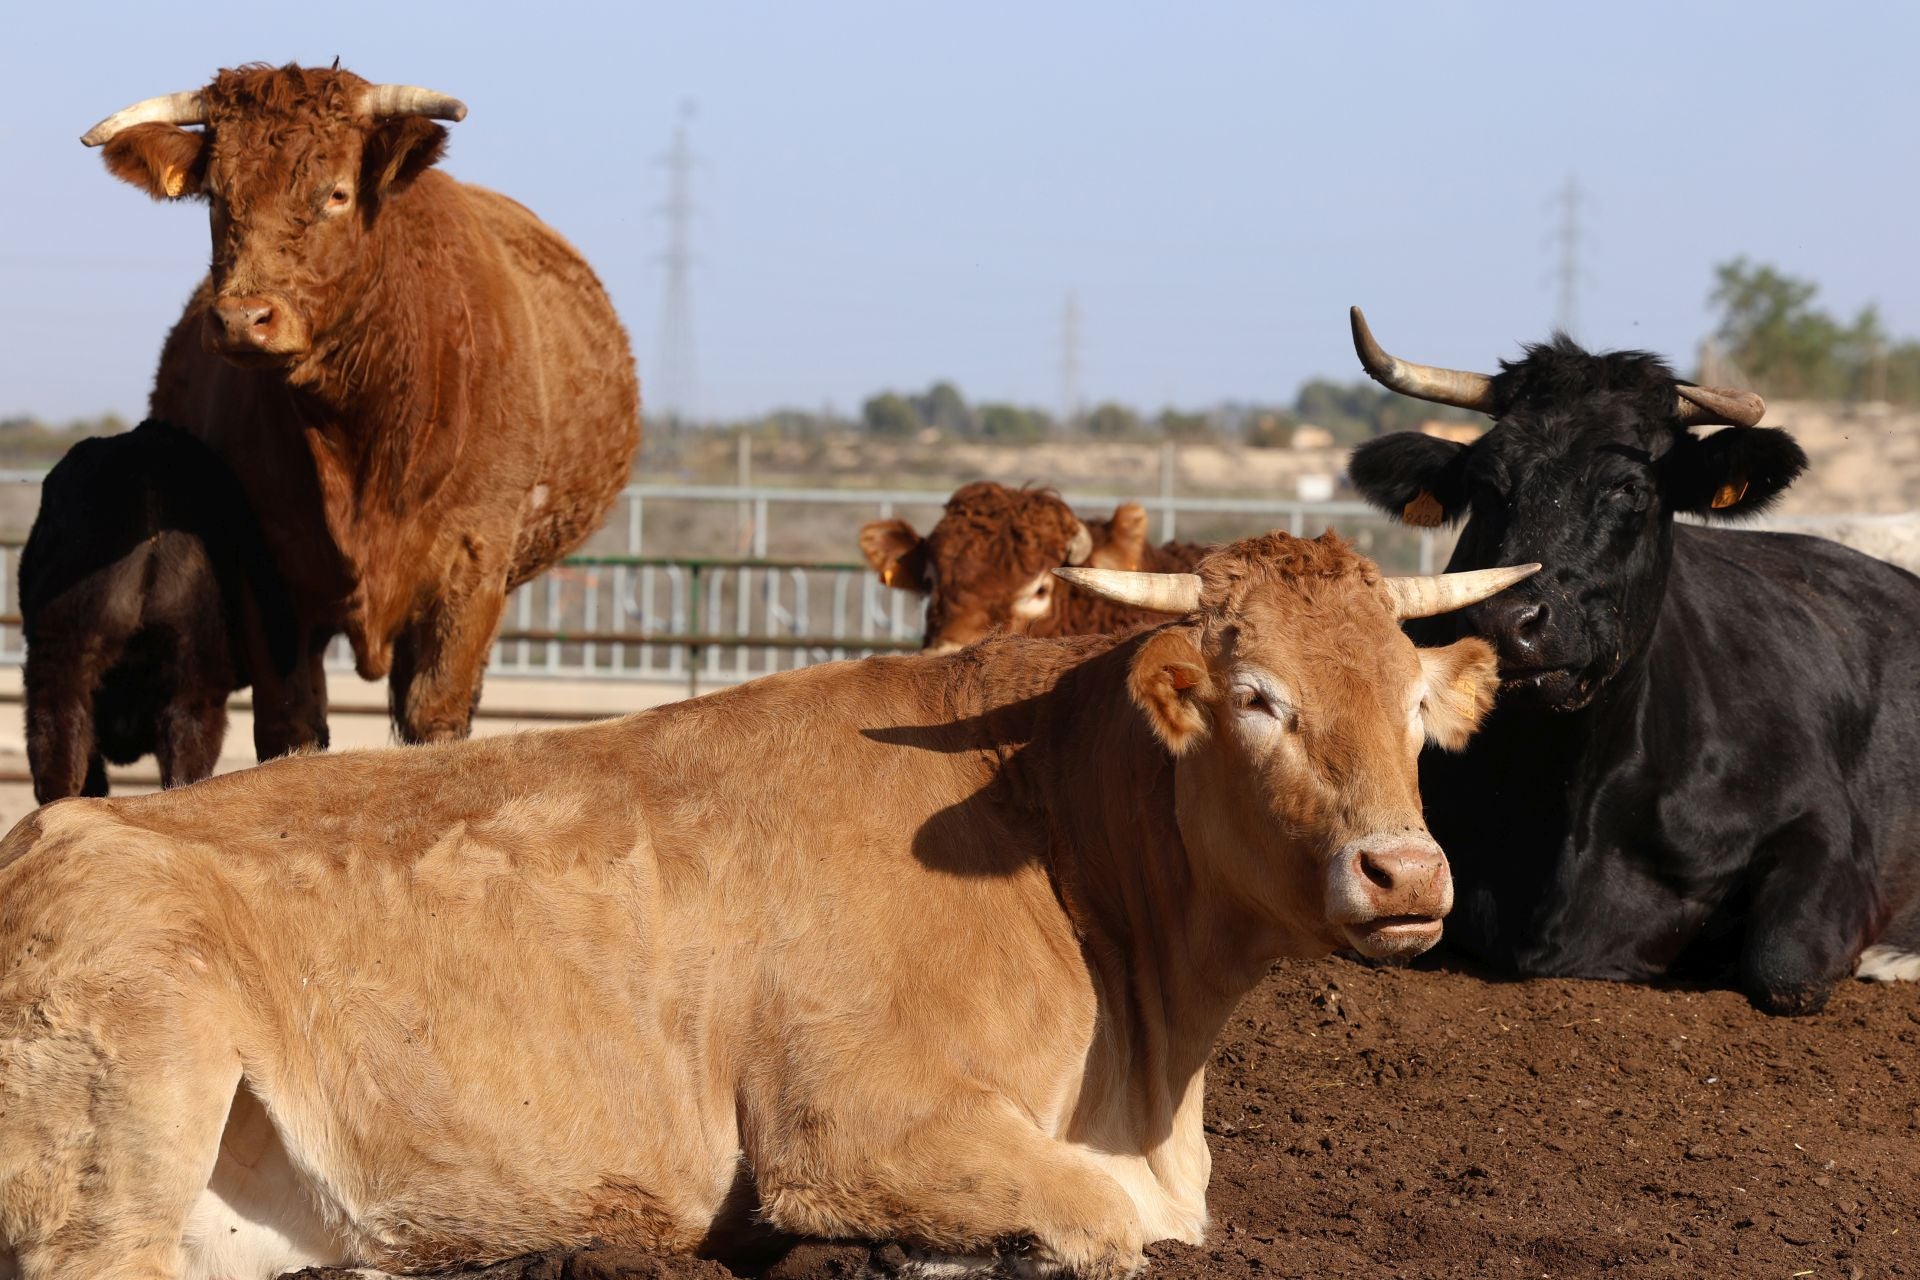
(1813, 899)
(972, 1180)
(440, 659)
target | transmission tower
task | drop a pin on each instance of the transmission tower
(1567, 237)
(1070, 362)
(676, 381)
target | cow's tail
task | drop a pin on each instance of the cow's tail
(115, 1081)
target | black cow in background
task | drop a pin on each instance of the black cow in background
(132, 586)
(1706, 752)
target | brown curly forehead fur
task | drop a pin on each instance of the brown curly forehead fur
(989, 529)
(1304, 567)
(1297, 606)
(313, 94)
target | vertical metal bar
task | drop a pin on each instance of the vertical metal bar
(1426, 551)
(743, 510)
(553, 623)
(617, 606)
(526, 624)
(742, 618)
(714, 594)
(588, 653)
(693, 617)
(1167, 520)
(760, 528)
(634, 502)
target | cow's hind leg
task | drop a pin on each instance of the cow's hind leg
(977, 1183)
(188, 740)
(61, 752)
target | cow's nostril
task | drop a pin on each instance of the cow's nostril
(1375, 871)
(262, 317)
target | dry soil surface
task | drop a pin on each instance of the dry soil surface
(1426, 1124)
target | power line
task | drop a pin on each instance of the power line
(1567, 236)
(1070, 362)
(677, 383)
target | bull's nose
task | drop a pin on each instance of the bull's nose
(1409, 880)
(247, 321)
(1517, 627)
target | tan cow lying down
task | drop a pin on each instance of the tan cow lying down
(930, 948)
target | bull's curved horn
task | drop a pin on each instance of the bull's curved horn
(1423, 597)
(1159, 592)
(1718, 407)
(185, 107)
(1080, 550)
(382, 101)
(1456, 387)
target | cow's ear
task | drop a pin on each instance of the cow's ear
(897, 554)
(1736, 471)
(1417, 479)
(398, 151)
(1170, 682)
(1461, 680)
(163, 160)
(1125, 546)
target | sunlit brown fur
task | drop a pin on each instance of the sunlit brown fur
(442, 405)
(927, 947)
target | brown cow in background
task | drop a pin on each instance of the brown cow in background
(424, 390)
(988, 564)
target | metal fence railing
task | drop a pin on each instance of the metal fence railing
(622, 613)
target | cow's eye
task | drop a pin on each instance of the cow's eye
(1629, 492)
(1252, 701)
(339, 198)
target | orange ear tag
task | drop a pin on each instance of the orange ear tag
(891, 575)
(1730, 493)
(1424, 512)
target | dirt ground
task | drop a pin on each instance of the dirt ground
(1429, 1124)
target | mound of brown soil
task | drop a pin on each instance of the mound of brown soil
(1386, 1123)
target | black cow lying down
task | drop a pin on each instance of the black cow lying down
(1706, 753)
(134, 586)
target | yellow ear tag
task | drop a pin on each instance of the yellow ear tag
(1729, 493)
(1424, 512)
(174, 180)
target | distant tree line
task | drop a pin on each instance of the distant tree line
(26, 441)
(1348, 411)
(1770, 327)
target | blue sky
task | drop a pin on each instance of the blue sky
(894, 193)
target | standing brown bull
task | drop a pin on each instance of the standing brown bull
(988, 564)
(424, 390)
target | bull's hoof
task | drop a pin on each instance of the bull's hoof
(1792, 1002)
